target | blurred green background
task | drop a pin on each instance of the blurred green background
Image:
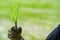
(36, 17)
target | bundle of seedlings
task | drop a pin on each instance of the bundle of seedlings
(14, 31)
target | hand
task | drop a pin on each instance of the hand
(15, 34)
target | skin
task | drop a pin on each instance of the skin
(15, 34)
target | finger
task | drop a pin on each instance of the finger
(9, 35)
(12, 29)
(9, 31)
(19, 30)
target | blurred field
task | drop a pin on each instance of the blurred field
(37, 18)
